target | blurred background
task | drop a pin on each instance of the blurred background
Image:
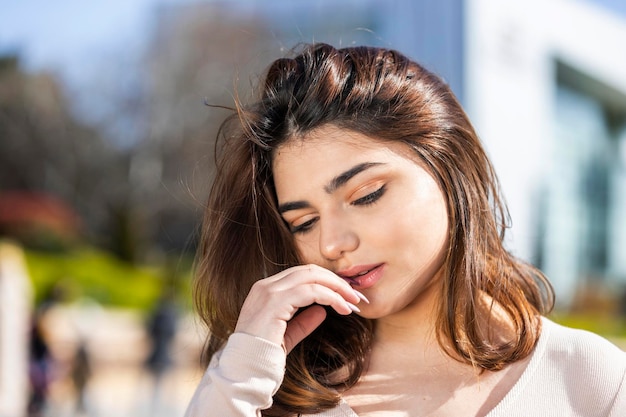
(106, 150)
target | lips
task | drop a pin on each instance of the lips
(362, 276)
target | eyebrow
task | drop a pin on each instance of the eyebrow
(332, 186)
(295, 205)
(343, 178)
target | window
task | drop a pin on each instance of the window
(582, 206)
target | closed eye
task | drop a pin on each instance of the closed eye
(303, 227)
(370, 198)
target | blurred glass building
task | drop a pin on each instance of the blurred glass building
(546, 88)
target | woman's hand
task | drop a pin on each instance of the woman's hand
(268, 311)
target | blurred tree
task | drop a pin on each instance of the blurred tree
(196, 54)
(43, 148)
(139, 170)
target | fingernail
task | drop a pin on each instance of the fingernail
(361, 296)
(353, 307)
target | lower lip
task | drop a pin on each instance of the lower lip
(368, 280)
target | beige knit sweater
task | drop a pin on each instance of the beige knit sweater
(572, 373)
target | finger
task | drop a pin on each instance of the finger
(272, 302)
(315, 274)
(325, 296)
(303, 325)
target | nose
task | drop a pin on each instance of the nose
(337, 237)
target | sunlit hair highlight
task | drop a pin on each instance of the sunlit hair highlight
(382, 94)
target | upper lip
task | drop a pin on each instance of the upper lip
(355, 271)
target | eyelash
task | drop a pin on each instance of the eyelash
(304, 227)
(367, 200)
(371, 198)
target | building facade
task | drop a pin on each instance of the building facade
(546, 88)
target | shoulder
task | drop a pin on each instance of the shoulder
(571, 373)
(591, 368)
(580, 348)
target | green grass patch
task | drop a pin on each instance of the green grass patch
(602, 324)
(98, 275)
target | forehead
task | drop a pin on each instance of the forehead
(322, 154)
(325, 145)
(328, 140)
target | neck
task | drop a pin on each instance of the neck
(413, 328)
(412, 331)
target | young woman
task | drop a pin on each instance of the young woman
(352, 261)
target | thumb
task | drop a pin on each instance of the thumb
(303, 325)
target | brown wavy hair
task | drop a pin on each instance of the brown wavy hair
(384, 95)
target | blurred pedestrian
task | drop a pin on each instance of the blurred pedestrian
(81, 373)
(161, 330)
(42, 363)
(40, 367)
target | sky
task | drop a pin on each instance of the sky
(72, 37)
(48, 33)
(65, 36)
(89, 45)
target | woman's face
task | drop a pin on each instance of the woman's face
(367, 211)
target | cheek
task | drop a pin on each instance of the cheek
(308, 248)
(425, 230)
